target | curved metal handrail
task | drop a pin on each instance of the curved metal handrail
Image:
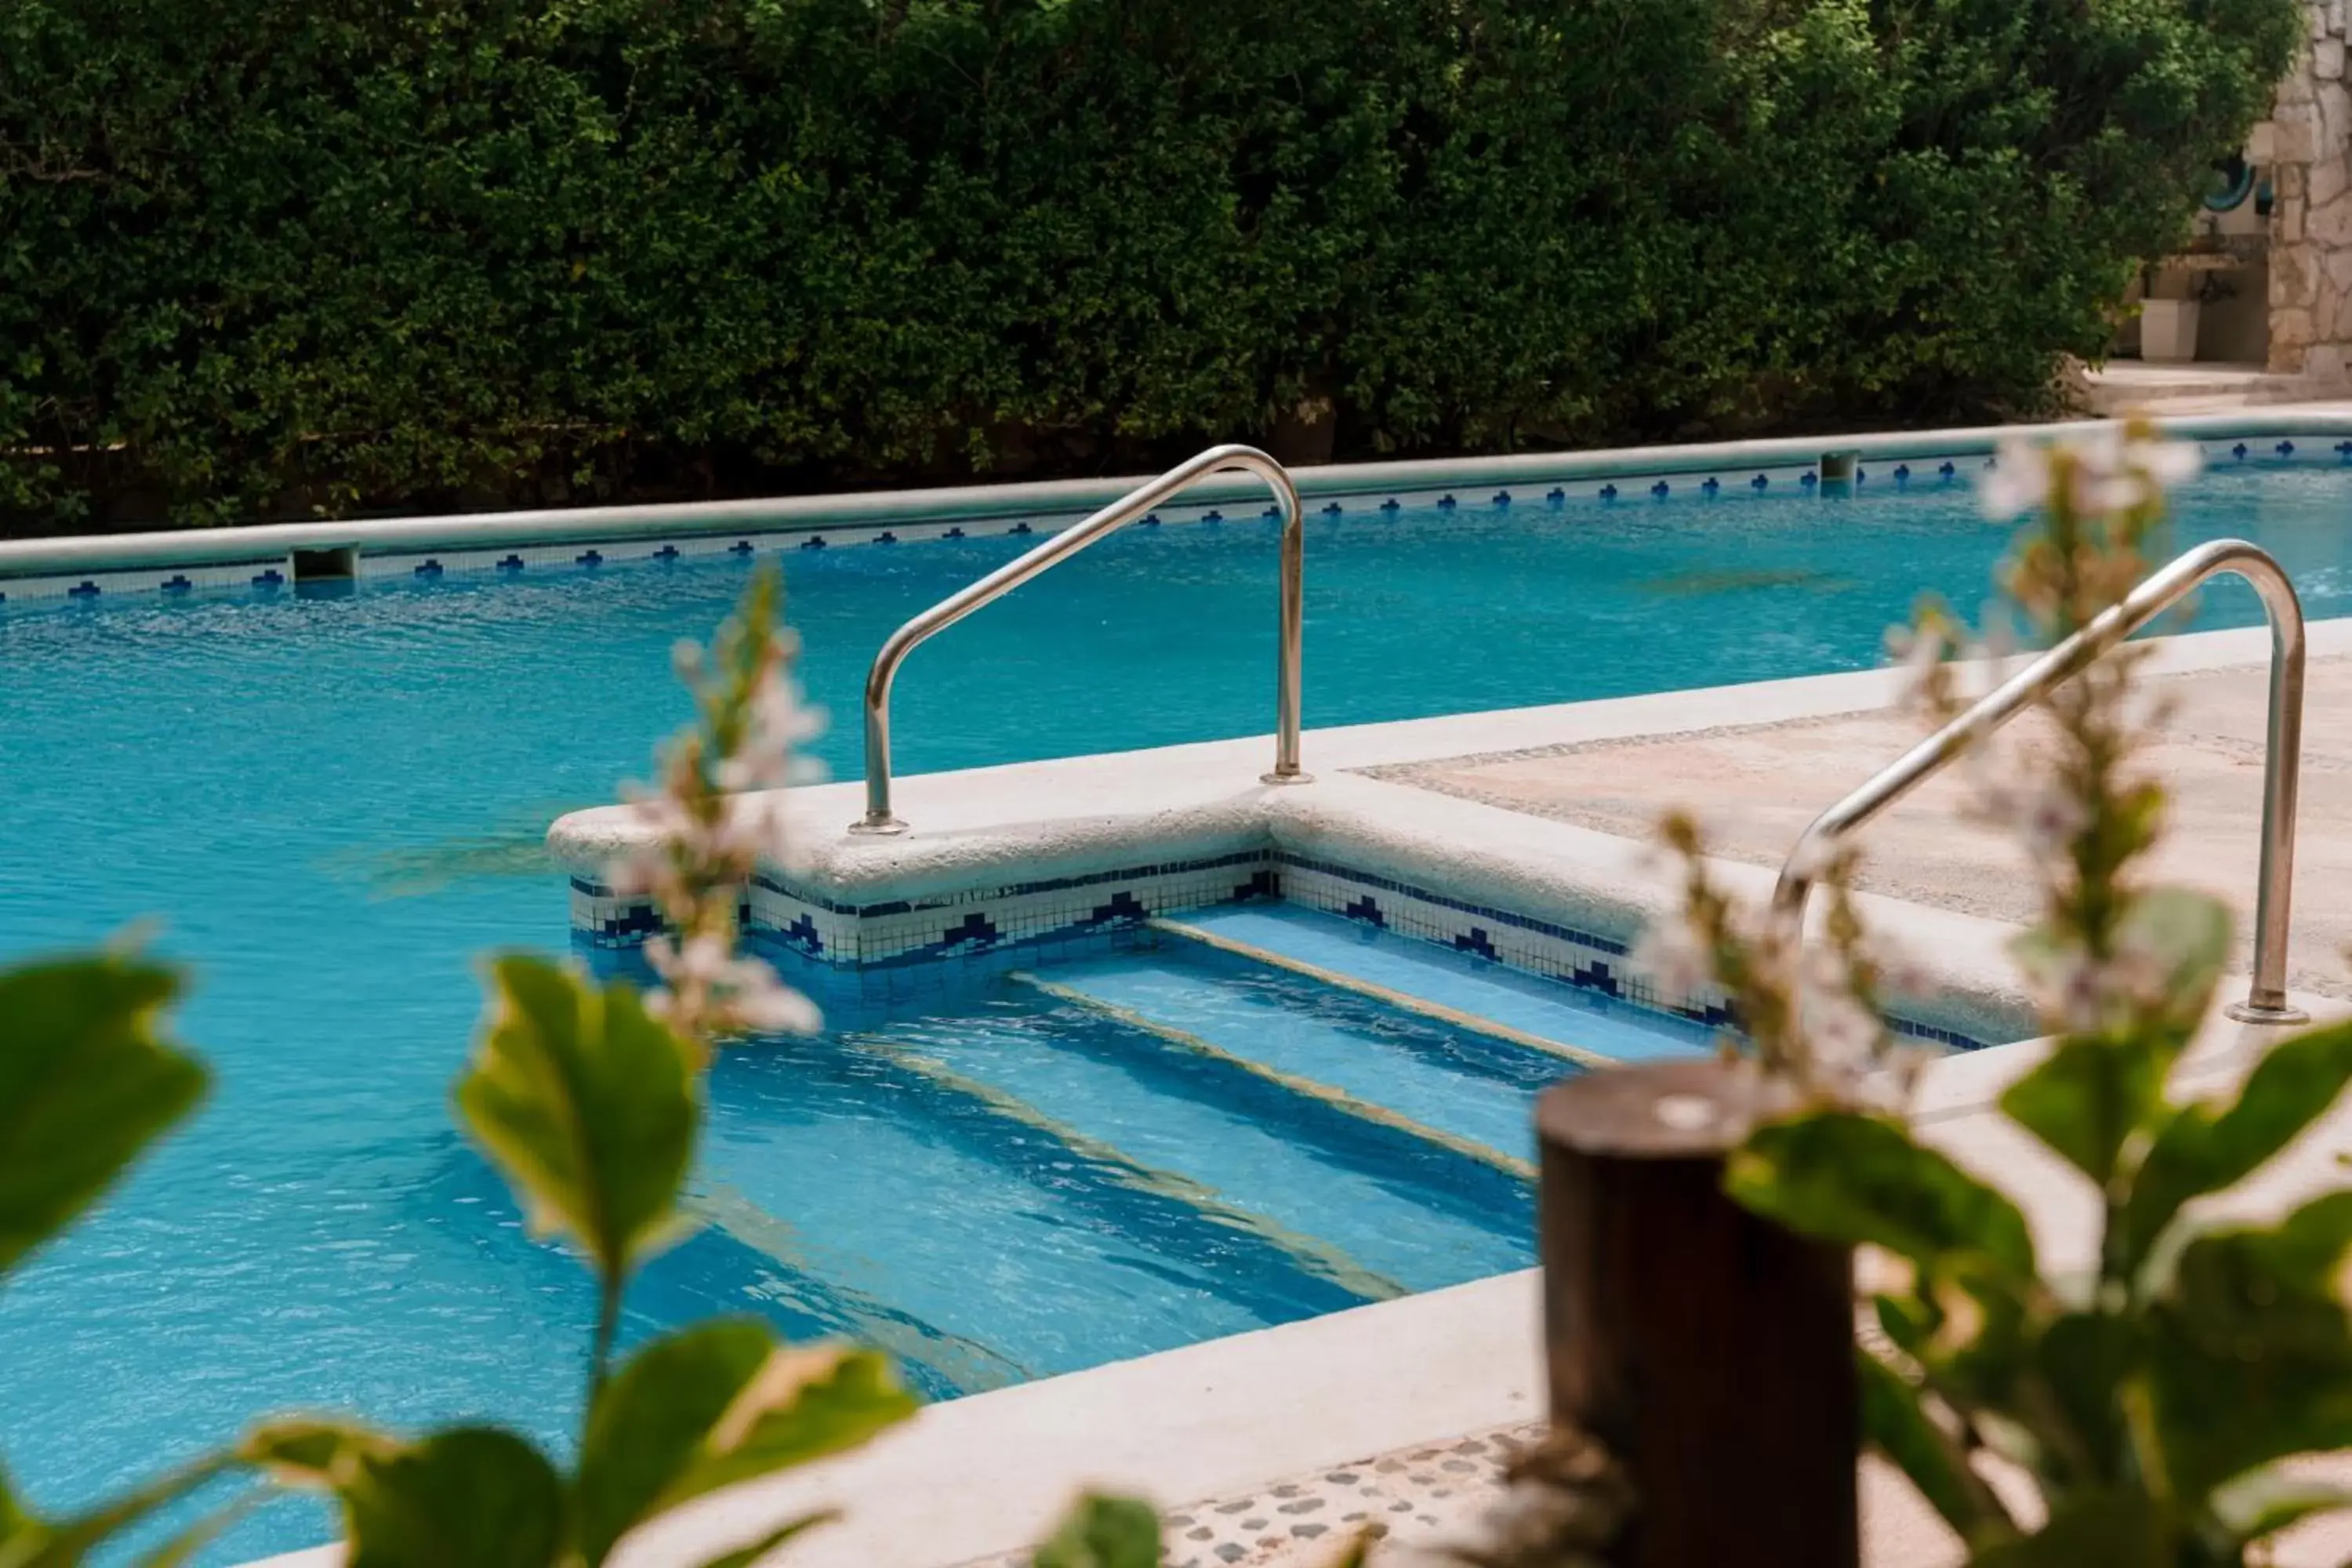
(2266, 1000)
(1136, 503)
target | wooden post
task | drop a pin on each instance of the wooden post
(1710, 1350)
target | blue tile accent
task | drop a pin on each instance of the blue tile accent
(1608, 492)
(1946, 469)
(1484, 911)
(1557, 497)
(1596, 976)
(801, 934)
(1124, 909)
(2239, 451)
(1262, 884)
(1392, 504)
(1711, 485)
(1021, 527)
(1860, 473)
(1661, 490)
(1902, 473)
(86, 589)
(272, 578)
(1445, 503)
(1365, 910)
(957, 533)
(975, 930)
(666, 553)
(588, 558)
(1212, 516)
(175, 584)
(2284, 449)
(511, 564)
(1502, 498)
(1808, 479)
(886, 537)
(1272, 514)
(741, 547)
(1332, 508)
(428, 568)
(2344, 450)
(1476, 940)
(814, 542)
(1760, 482)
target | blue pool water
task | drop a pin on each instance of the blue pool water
(330, 804)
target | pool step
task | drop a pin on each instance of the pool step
(1086, 992)
(1403, 1210)
(1453, 989)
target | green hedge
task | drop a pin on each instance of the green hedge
(277, 257)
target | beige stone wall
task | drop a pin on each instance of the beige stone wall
(2307, 147)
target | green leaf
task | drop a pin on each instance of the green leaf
(29, 1543)
(1848, 1177)
(2262, 1502)
(1103, 1532)
(2086, 1098)
(716, 1403)
(471, 1497)
(2186, 935)
(1894, 1423)
(2251, 1355)
(744, 1556)
(2208, 1146)
(588, 1105)
(85, 1082)
(2091, 1528)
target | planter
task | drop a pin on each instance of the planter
(1711, 1351)
(2168, 330)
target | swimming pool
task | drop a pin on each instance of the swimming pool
(334, 799)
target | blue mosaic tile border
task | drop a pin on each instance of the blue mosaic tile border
(1922, 475)
(933, 946)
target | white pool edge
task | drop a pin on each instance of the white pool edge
(261, 543)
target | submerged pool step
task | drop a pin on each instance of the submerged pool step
(1084, 993)
(1403, 1210)
(1453, 989)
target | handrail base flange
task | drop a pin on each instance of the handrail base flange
(867, 827)
(1285, 778)
(2249, 1012)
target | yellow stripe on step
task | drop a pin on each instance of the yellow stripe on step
(1403, 1000)
(1311, 1254)
(1338, 1099)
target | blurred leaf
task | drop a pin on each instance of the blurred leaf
(2263, 1501)
(471, 1497)
(718, 1403)
(85, 1082)
(2208, 1146)
(1103, 1532)
(744, 1556)
(2094, 1528)
(184, 1544)
(2186, 934)
(2081, 1358)
(2086, 1099)
(1894, 1423)
(588, 1105)
(29, 1543)
(1845, 1176)
(2250, 1358)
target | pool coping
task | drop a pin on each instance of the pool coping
(1002, 862)
(516, 542)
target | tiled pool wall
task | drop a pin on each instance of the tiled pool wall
(911, 953)
(1927, 463)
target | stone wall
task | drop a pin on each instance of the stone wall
(2307, 146)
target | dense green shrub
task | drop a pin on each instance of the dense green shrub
(281, 256)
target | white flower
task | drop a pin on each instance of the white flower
(2019, 480)
(1675, 957)
(2164, 463)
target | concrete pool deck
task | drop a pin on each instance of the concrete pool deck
(1755, 787)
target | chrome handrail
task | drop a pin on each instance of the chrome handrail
(1136, 503)
(2266, 1000)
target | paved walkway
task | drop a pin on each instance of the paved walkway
(1757, 788)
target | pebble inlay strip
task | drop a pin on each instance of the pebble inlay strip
(1415, 1495)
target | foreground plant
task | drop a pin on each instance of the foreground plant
(2152, 1399)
